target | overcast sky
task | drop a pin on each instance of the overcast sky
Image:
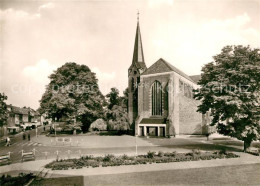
(39, 36)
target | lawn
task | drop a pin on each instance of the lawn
(229, 175)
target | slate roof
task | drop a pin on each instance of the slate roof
(24, 111)
(161, 66)
(196, 78)
(138, 55)
(153, 121)
(18, 110)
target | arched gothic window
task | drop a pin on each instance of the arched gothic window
(132, 84)
(157, 98)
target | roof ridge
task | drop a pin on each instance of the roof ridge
(180, 72)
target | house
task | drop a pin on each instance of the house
(161, 99)
(19, 116)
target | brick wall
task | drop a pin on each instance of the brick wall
(147, 83)
(190, 121)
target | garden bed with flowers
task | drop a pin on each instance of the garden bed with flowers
(150, 157)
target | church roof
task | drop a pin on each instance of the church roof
(196, 78)
(161, 66)
(138, 56)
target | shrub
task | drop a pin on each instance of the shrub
(160, 154)
(223, 151)
(108, 157)
(87, 157)
(189, 154)
(170, 154)
(150, 154)
(196, 151)
(125, 157)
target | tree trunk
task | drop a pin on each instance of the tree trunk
(247, 144)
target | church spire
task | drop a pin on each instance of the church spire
(138, 47)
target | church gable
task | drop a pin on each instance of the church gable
(158, 67)
(162, 66)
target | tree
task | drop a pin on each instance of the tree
(230, 90)
(3, 109)
(116, 114)
(125, 98)
(113, 97)
(117, 119)
(73, 92)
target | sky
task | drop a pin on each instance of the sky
(37, 37)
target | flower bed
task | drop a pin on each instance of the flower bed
(255, 153)
(150, 157)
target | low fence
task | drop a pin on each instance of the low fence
(62, 141)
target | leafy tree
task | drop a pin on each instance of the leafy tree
(73, 92)
(230, 90)
(117, 118)
(116, 115)
(3, 109)
(125, 98)
(113, 97)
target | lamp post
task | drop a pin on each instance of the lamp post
(55, 126)
(36, 130)
(135, 145)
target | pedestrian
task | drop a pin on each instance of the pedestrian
(8, 141)
(29, 137)
(44, 128)
(24, 136)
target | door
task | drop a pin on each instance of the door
(152, 131)
(162, 131)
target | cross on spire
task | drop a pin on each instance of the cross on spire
(138, 56)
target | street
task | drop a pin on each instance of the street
(18, 144)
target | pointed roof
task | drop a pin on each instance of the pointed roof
(161, 66)
(138, 56)
(196, 78)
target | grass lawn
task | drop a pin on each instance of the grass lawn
(229, 175)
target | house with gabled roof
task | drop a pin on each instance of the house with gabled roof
(20, 115)
(160, 99)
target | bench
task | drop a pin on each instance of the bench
(28, 155)
(5, 159)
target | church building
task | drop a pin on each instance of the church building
(160, 97)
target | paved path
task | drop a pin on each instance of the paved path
(94, 141)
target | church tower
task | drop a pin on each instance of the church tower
(135, 70)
